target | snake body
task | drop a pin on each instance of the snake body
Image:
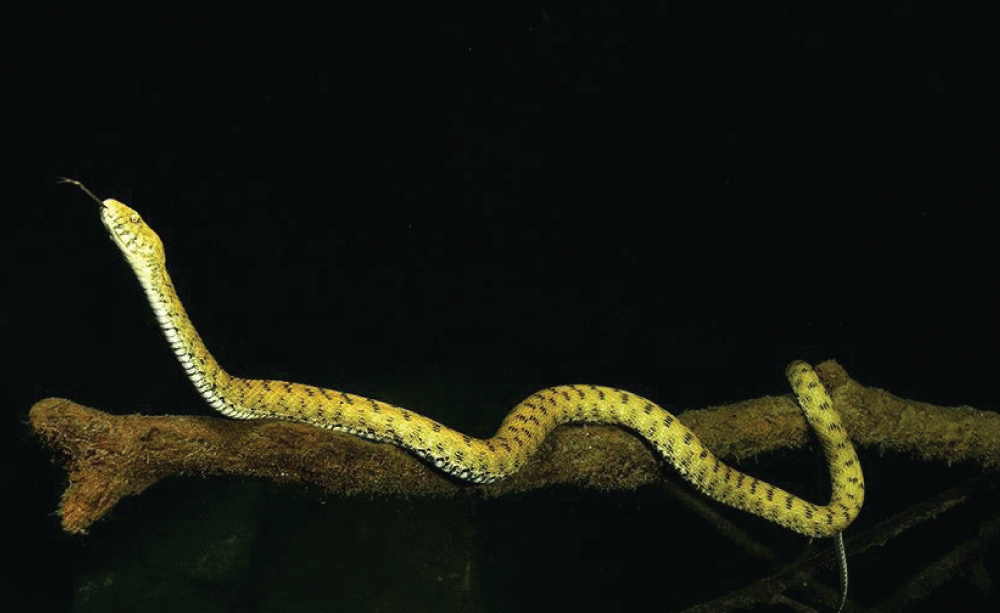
(522, 431)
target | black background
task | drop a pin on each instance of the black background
(451, 207)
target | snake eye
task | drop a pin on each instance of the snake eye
(135, 218)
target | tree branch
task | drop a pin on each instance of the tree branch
(109, 457)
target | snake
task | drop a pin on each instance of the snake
(521, 432)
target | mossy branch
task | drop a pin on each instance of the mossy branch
(109, 457)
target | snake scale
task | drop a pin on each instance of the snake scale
(522, 431)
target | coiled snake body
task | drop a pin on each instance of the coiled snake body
(522, 431)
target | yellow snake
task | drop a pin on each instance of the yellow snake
(522, 431)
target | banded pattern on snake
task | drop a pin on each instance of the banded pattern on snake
(522, 431)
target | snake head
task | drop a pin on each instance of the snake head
(142, 247)
(137, 241)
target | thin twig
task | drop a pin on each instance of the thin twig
(767, 589)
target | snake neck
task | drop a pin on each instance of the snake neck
(205, 373)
